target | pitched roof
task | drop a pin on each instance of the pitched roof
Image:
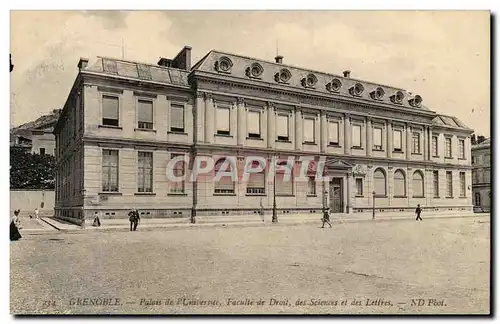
(240, 67)
(449, 122)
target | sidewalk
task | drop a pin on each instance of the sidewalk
(123, 225)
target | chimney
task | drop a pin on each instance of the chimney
(82, 64)
(480, 139)
(165, 62)
(347, 74)
(183, 59)
(279, 59)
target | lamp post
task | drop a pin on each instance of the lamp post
(275, 211)
(373, 215)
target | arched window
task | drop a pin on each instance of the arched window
(256, 181)
(224, 184)
(418, 184)
(284, 182)
(477, 196)
(399, 184)
(379, 180)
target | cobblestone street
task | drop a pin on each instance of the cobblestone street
(367, 267)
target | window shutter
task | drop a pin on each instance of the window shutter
(145, 111)
(308, 130)
(377, 136)
(356, 135)
(109, 107)
(333, 132)
(177, 116)
(253, 122)
(282, 125)
(222, 118)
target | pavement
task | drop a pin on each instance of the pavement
(437, 266)
(202, 222)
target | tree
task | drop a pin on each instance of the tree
(31, 171)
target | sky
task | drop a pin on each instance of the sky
(442, 55)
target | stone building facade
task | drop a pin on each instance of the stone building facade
(481, 176)
(124, 121)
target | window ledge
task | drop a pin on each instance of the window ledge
(109, 126)
(284, 195)
(414, 153)
(359, 196)
(462, 197)
(223, 135)
(357, 147)
(448, 157)
(145, 130)
(255, 138)
(380, 196)
(177, 194)
(177, 133)
(283, 141)
(400, 196)
(224, 194)
(311, 195)
(309, 143)
(462, 159)
(144, 194)
(110, 193)
(378, 150)
(256, 194)
(448, 197)
(334, 145)
(436, 197)
(397, 151)
(418, 196)
(435, 156)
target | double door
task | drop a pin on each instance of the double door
(336, 195)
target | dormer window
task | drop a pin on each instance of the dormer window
(255, 70)
(398, 97)
(334, 86)
(224, 64)
(309, 81)
(377, 94)
(415, 101)
(357, 89)
(283, 76)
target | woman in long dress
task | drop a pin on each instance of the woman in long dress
(14, 231)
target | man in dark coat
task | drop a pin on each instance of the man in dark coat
(14, 231)
(137, 219)
(418, 211)
(326, 217)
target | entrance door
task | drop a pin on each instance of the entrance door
(336, 195)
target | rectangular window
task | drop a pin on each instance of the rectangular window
(110, 170)
(449, 184)
(448, 147)
(178, 171)
(308, 130)
(359, 187)
(461, 148)
(253, 124)
(416, 143)
(434, 146)
(377, 138)
(435, 177)
(145, 114)
(397, 140)
(256, 184)
(282, 127)
(462, 184)
(333, 133)
(145, 172)
(177, 118)
(110, 110)
(356, 136)
(42, 151)
(222, 117)
(473, 160)
(311, 186)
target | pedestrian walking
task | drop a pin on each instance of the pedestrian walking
(137, 219)
(97, 221)
(14, 231)
(134, 219)
(418, 211)
(37, 213)
(326, 217)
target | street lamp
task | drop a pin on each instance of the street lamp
(275, 211)
(373, 215)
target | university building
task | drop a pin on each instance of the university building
(124, 121)
(481, 174)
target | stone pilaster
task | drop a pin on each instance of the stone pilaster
(298, 129)
(324, 132)
(426, 143)
(241, 127)
(347, 134)
(369, 137)
(431, 153)
(209, 118)
(199, 135)
(348, 192)
(271, 125)
(408, 141)
(390, 139)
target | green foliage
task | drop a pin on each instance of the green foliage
(31, 171)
